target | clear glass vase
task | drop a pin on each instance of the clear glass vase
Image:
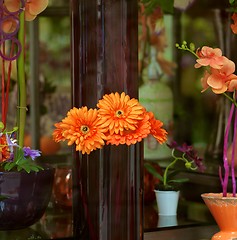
(107, 184)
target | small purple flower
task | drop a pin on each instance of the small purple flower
(11, 142)
(28, 152)
(190, 153)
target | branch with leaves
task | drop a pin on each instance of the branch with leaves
(167, 6)
(169, 180)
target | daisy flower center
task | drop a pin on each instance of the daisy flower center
(85, 129)
(119, 113)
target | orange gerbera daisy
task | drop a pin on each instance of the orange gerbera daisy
(58, 133)
(157, 131)
(32, 7)
(119, 112)
(131, 136)
(82, 127)
(4, 149)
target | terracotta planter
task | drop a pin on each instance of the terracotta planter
(27, 197)
(224, 211)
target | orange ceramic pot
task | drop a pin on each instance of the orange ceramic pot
(224, 211)
(47, 145)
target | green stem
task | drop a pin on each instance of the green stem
(231, 99)
(21, 116)
(185, 48)
(176, 159)
(167, 169)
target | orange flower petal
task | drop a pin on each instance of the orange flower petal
(209, 57)
(215, 82)
(234, 25)
(205, 86)
(4, 149)
(12, 5)
(232, 83)
(157, 131)
(81, 127)
(118, 112)
(57, 133)
(34, 7)
(8, 25)
(131, 136)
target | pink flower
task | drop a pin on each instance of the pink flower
(205, 86)
(32, 7)
(232, 84)
(209, 57)
(220, 79)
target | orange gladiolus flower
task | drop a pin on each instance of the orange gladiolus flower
(131, 136)
(234, 25)
(32, 7)
(119, 112)
(157, 131)
(4, 149)
(82, 127)
(209, 57)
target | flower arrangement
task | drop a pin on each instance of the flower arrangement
(169, 181)
(14, 14)
(220, 78)
(118, 119)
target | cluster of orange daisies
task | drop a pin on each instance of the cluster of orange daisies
(118, 119)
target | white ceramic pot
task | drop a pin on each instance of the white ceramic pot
(167, 221)
(167, 202)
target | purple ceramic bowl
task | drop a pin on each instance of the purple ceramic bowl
(27, 197)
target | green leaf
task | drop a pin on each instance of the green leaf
(172, 173)
(21, 163)
(35, 168)
(19, 156)
(153, 171)
(15, 129)
(9, 166)
(2, 197)
(167, 6)
(1, 125)
(181, 180)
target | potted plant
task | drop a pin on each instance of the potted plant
(220, 77)
(168, 189)
(25, 185)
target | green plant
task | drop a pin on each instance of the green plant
(151, 5)
(14, 14)
(169, 180)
